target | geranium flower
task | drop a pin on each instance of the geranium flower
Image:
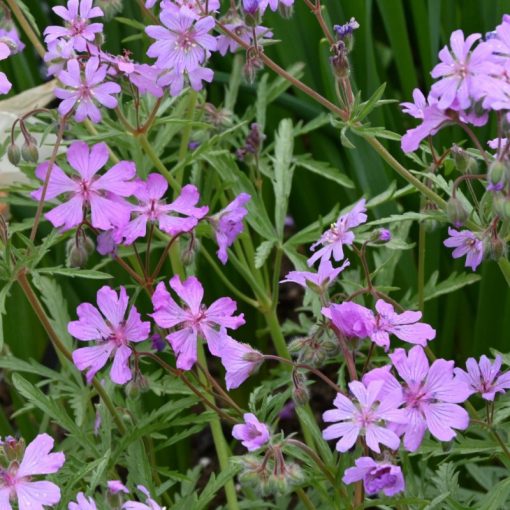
(112, 332)
(194, 319)
(102, 194)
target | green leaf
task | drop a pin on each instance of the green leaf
(131, 23)
(283, 172)
(366, 107)
(323, 169)
(497, 497)
(27, 12)
(262, 252)
(75, 273)
(345, 140)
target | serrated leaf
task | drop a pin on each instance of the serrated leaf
(323, 169)
(283, 172)
(262, 252)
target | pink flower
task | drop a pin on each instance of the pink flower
(85, 90)
(325, 276)
(152, 208)
(431, 394)
(274, 4)
(353, 320)
(82, 503)
(87, 190)
(339, 234)
(176, 79)
(182, 43)
(77, 29)
(366, 417)
(244, 32)
(228, 224)
(149, 504)
(252, 433)
(465, 243)
(5, 84)
(16, 480)
(404, 326)
(194, 319)
(115, 486)
(484, 377)
(462, 71)
(58, 54)
(376, 476)
(112, 332)
(240, 361)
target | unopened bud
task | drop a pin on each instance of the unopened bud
(14, 154)
(29, 152)
(300, 393)
(497, 247)
(456, 212)
(79, 250)
(496, 176)
(464, 162)
(13, 448)
(285, 11)
(189, 252)
(498, 204)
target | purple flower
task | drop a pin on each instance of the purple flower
(5, 84)
(176, 79)
(112, 332)
(431, 394)
(152, 208)
(85, 90)
(339, 234)
(244, 32)
(252, 433)
(77, 29)
(376, 476)
(149, 504)
(100, 194)
(58, 54)
(404, 326)
(251, 7)
(346, 29)
(11, 38)
(465, 243)
(240, 361)
(353, 320)
(115, 486)
(274, 4)
(194, 319)
(484, 377)
(106, 244)
(228, 224)
(324, 277)
(82, 503)
(16, 482)
(461, 71)
(367, 417)
(384, 235)
(184, 44)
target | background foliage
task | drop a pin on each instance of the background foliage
(397, 43)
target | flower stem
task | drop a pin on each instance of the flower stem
(61, 348)
(222, 450)
(158, 163)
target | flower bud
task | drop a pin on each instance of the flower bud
(497, 248)
(14, 154)
(496, 176)
(464, 162)
(13, 448)
(285, 11)
(189, 252)
(29, 152)
(456, 212)
(300, 393)
(498, 204)
(79, 250)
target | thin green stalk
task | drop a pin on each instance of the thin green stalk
(275, 291)
(504, 265)
(231, 287)
(305, 499)
(222, 450)
(158, 163)
(422, 240)
(186, 133)
(60, 347)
